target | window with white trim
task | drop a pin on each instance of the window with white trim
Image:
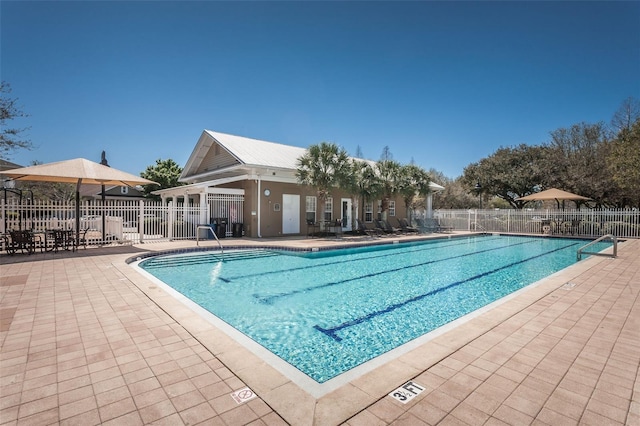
(368, 211)
(392, 208)
(311, 202)
(328, 208)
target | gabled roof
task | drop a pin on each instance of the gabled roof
(247, 152)
(255, 152)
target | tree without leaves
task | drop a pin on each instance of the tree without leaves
(624, 164)
(51, 191)
(10, 136)
(575, 160)
(627, 114)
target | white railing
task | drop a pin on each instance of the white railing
(143, 221)
(124, 221)
(623, 223)
(582, 250)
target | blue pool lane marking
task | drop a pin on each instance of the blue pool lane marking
(431, 246)
(332, 332)
(271, 298)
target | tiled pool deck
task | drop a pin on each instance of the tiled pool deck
(86, 339)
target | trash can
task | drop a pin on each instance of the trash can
(236, 230)
(221, 229)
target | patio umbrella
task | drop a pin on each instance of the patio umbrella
(553, 194)
(78, 171)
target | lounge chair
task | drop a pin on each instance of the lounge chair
(385, 227)
(425, 227)
(405, 227)
(443, 227)
(433, 225)
(371, 232)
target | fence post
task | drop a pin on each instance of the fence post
(141, 222)
(170, 214)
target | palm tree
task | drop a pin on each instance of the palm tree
(413, 182)
(324, 167)
(365, 184)
(388, 172)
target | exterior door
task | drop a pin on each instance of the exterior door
(346, 214)
(290, 214)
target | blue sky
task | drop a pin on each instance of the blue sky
(441, 83)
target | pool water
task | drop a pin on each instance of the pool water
(327, 312)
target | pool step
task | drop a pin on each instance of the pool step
(163, 262)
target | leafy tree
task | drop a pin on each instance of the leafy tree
(366, 183)
(165, 172)
(10, 139)
(624, 164)
(509, 173)
(324, 167)
(413, 183)
(388, 172)
(574, 161)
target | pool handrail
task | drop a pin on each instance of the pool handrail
(212, 231)
(612, 237)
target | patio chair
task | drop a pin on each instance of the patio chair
(405, 227)
(82, 241)
(312, 228)
(362, 229)
(385, 227)
(443, 227)
(25, 241)
(427, 225)
(62, 239)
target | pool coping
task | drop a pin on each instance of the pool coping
(294, 403)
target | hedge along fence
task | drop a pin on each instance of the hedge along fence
(623, 223)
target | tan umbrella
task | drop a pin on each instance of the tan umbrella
(77, 171)
(553, 194)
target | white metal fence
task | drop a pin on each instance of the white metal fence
(124, 221)
(148, 221)
(587, 223)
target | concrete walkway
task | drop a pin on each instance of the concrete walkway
(86, 339)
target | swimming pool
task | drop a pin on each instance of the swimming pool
(327, 312)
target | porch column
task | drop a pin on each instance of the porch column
(259, 198)
(429, 205)
(204, 208)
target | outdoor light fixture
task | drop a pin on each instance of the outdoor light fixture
(478, 187)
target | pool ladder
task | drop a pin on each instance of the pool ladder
(611, 237)
(212, 231)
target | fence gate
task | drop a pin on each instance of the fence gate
(226, 212)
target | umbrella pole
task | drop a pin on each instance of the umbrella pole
(104, 233)
(78, 213)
